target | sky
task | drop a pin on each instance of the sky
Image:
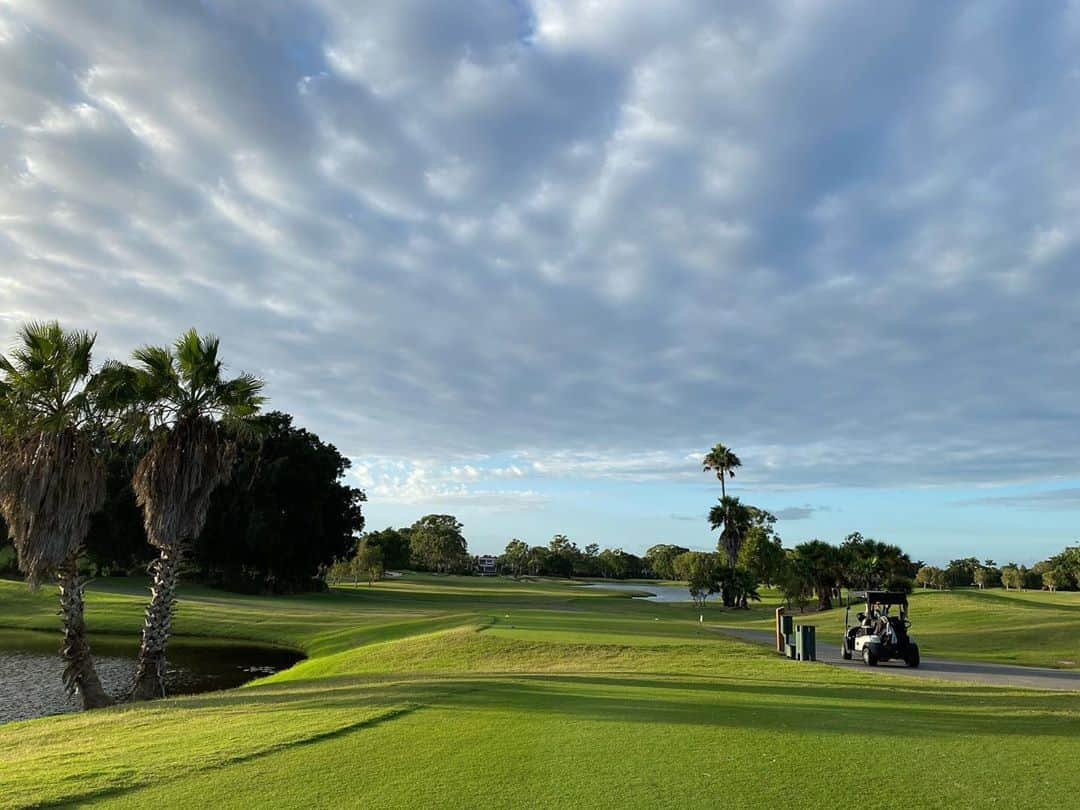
(525, 262)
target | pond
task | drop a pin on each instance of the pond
(658, 593)
(30, 669)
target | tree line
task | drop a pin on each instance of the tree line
(284, 515)
(1059, 572)
(435, 543)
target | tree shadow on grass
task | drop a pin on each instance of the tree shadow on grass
(915, 711)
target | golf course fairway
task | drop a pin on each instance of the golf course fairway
(428, 691)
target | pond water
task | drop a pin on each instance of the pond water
(658, 593)
(30, 669)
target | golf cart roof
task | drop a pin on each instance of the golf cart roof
(880, 597)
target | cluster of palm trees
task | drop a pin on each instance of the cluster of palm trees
(60, 417)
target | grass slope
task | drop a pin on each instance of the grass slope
(433, 691)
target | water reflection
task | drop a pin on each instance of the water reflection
(30, 669)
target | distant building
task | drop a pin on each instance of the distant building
(486, 565)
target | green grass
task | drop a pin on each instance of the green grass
(460, 692)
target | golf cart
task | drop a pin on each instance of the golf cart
(879, 635)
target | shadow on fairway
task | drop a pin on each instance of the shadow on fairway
(766, 704)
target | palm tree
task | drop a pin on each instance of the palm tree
(724, 461)
(52, 476)
(734, 519)
(824, 565)
(186, 415)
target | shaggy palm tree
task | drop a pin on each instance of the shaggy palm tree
(186, 415)
(52, 476)
(734, 519)
(724, 461)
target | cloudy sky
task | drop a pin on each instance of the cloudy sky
(525, 261)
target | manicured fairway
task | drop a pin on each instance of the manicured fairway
(452, 692)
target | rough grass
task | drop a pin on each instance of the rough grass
(433, 691)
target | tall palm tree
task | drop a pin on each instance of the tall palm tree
(724, 461)
(186, 414)
(52, 476)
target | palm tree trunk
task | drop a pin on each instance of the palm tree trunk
(150, 671)
(80, 677)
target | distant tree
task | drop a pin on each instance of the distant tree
(795, 581)
(394, 544)
(1032, 578)
(924, 576)
(762, 553)
(1056, 579)
(822, 564)
(1011, 577)
(738, 586)
(369, 561)
(723, 461)
(930, 576)
(987, 575)
(537, 563)
(1067, 564)
(961, 573)
(734, 520)
(562, 553)
(701, 573)
(436, 544)
(869, 563)
(587, 563)
(340, 570)
(516, 557)
(660, 559)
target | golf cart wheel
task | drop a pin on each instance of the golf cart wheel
(845, 651)
(869, 657)
(912, 658)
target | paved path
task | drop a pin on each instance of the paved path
(970, 671)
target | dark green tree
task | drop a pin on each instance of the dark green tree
(822, 565)
(515, 558)
(437, 544)
(285, 514)
(660, 559)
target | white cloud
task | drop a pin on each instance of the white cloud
(581, 238)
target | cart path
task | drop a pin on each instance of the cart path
(970, 671)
